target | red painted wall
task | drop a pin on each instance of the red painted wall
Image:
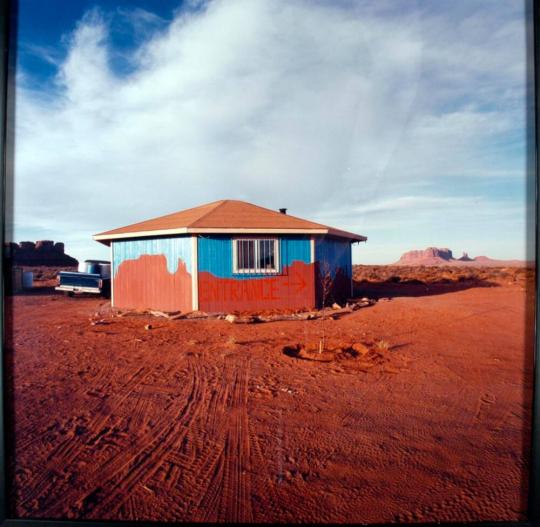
(146, 283)
(294, 288)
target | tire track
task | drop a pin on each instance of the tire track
(193, 460)
(199, 459)
(68, 450)
(28, 427)
(218, 403)
(268, 492)
(164, 508)
(227, 496)
(137, 418)
(112, 483)
(76, 448)
(470, 504)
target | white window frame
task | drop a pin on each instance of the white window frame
(256, 270)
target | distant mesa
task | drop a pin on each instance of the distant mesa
(433, 256)
(40, 253)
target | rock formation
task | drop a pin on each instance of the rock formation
(434, 256)
(426, 254)
(40, 253)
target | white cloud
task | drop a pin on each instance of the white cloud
(47, 54)
(311, 106)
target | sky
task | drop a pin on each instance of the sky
(404, 121)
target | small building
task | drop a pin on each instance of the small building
(227, 256)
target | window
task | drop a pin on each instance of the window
(252, 255)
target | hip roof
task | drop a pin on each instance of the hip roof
(224, 216)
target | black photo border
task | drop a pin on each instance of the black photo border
(8, 17)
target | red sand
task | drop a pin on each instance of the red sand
(204, 420)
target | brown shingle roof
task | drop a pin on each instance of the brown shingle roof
(223, 216)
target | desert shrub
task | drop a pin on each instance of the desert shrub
(437, 275)
(382, 345)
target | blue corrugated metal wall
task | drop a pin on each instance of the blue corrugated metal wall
(172, 247)
(215, 263)
(221, 290)
(215, 255)
(153, 273)
(336, 256)
(337, 253)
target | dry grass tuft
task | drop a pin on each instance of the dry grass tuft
(382, 345)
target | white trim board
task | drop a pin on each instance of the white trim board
(212, 230)
(194, 273)
(189, 230)
(112, 275)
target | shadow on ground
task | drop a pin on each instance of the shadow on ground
(414, 288)
(36, 291)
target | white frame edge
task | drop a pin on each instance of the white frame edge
(277, 243)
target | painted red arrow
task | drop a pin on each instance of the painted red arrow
(299, 282)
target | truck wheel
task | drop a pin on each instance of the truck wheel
(68, 293)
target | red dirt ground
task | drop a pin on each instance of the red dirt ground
(206, 420)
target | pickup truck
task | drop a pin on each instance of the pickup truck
(96, 279)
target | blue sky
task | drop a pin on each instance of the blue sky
(401, 120)
(44, 27)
